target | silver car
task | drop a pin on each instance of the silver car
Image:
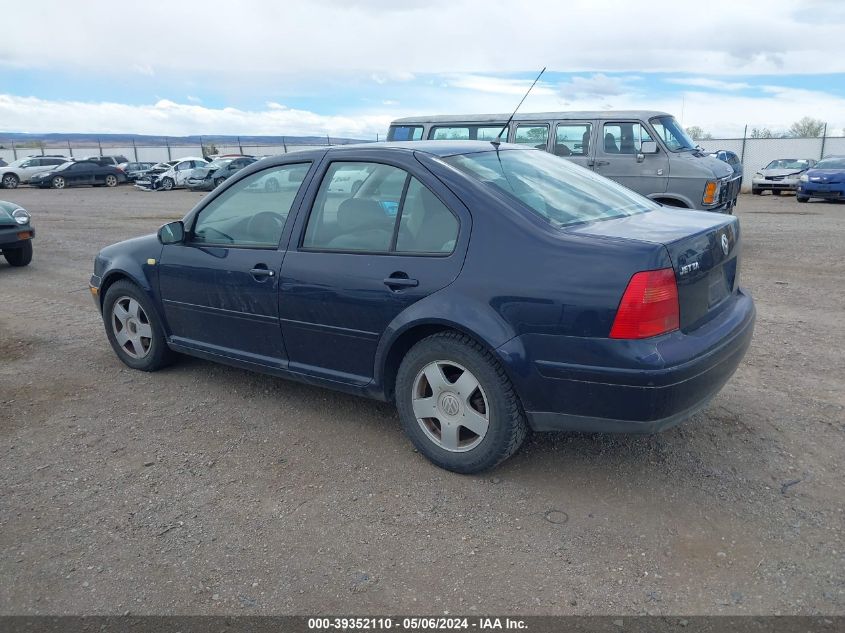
(780, 175)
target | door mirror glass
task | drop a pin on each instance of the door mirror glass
(172, 233)
(649, 147)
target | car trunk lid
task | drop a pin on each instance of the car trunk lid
(703, 248)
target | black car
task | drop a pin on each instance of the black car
(134, 171)
(113, 160)
(216, 172)
(84, 172)
(16, 234)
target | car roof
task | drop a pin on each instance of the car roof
(532, 116)
(435, 148)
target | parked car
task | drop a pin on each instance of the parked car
(782, 174)
(113, 160)
(647, 151)
(487, 291)
(134, 170)
(216, 172)
(729, 157)
(16, 234)
(23, 169)
(175, 176)
(84, 172)
(825, 180)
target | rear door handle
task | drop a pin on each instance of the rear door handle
(261, 271)
(397, 283)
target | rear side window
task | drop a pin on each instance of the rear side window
(534, 135)
(468, 133)
(405, 133)
(375, 208)
(572, 139)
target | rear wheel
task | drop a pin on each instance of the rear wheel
(111, 180)
(58, 182)
(457, 404)
(19, 256)
(167, 183)
(10, 181)
(134, 329)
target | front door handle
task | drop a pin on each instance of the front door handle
(398, 282)
(260, 272)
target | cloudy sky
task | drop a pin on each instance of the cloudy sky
(348, 67)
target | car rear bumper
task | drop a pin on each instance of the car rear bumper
(14, 236)
(651, 384)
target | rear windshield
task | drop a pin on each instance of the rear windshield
(557, 190)
(831, 163)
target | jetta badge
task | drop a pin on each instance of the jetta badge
(725, 246)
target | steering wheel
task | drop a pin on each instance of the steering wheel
(264, 225)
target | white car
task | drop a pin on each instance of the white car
(178, 173)
(21, 170)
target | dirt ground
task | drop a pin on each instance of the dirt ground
(204, 489)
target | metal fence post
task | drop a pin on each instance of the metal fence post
(824, 135)
(240, 148)
(167, 142)
(135, 150)
(285, 145)
(744, 135)
(69, 148)
(99, 146)
(14, 150)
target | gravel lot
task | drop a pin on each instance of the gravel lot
(203, 489)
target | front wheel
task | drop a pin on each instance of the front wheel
(10, 181)
(58, 182)
(167, 184)
(756, 191)
(111, 180)
(801, 198)
(457, 404)
(20, 256)
(134, 329)
(775, 192)
(219, 181)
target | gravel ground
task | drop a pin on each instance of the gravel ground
(204, 489)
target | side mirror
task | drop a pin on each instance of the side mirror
(647, 147)
(172, 233)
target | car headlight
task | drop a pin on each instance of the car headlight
(21, 216)
(758, 175)
(803, 178)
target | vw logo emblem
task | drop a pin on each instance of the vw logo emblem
(725, 246)
(450, 404)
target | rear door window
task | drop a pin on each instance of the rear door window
(533, 135)
(572, 139)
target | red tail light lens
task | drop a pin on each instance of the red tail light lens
(649, 306)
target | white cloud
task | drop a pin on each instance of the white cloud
(598, 85)
(459, 36)
(496, 85)
(29, 114)
(706, 82)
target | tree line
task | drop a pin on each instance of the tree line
(806, 127)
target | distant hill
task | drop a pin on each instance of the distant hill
(58, 139)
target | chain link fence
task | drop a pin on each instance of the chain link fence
(755, 153)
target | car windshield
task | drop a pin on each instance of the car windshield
(672, 133)
(555, 189)
(831, 163)
(788, 163)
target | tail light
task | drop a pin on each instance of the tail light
(649, 306)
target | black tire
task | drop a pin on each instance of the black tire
(219, 181)
(167, 184)
(158, 354)
(111, 180)
(756, 192)
(58, 182)
(775, 192)
(10, 181)
(801, 198)
(507, 425)
(19, 256)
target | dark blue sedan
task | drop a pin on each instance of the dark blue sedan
(486, 289)
(826, 180)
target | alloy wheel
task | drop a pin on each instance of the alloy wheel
(131, 327)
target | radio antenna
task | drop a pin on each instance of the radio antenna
(499, 137)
